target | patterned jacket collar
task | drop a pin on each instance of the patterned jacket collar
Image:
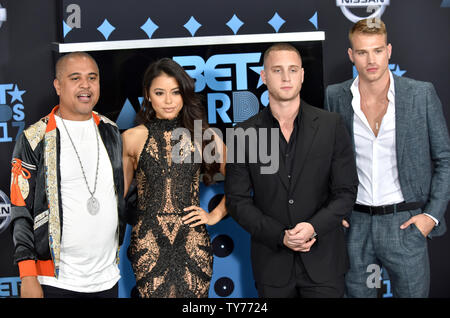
(51, 124)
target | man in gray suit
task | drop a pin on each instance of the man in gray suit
(402, 153)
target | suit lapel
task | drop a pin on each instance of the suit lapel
(403, 102)
(345, 108)
(305, 137)
(346, 112)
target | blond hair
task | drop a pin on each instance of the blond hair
(281, 47)
(370, 26)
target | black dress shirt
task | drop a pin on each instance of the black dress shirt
(287, 148)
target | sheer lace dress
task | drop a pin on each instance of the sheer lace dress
(169, 259)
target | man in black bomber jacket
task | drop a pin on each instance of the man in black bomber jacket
(67, 192)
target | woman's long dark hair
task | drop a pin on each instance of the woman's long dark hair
(192, 107)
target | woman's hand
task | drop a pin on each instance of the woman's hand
(199, 216)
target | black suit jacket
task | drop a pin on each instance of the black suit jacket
(322, 192)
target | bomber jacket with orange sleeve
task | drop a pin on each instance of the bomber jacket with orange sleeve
(36, 208)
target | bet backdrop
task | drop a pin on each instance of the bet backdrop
(418, 31)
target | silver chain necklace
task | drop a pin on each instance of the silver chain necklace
(93, 205)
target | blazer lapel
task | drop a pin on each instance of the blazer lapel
(305, 137)
(403, 102)
(346, 111)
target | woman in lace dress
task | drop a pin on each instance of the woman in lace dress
(170, 249)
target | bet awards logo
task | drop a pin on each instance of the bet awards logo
(230, 82)
(5, 211)
(225, 80)
(376, 7)
(12, 113)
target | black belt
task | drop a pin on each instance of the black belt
(388, 209)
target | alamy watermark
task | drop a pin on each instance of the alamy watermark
(249, 145)
(74, 19)
(374, 279)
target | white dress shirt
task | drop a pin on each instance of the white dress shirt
(376, 156)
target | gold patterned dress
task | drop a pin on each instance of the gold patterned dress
(169, 258)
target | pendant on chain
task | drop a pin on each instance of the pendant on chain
(93, 205)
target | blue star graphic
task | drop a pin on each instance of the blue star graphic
(257, 70)
(398, 71)
(16, 94)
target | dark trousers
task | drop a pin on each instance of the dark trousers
(54, 292)
(300, 285)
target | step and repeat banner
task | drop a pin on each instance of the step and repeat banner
(220, 44)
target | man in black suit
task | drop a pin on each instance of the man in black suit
(293, 215)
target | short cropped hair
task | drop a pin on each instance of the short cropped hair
(281, 47)
(62, 60)
(370, 26)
